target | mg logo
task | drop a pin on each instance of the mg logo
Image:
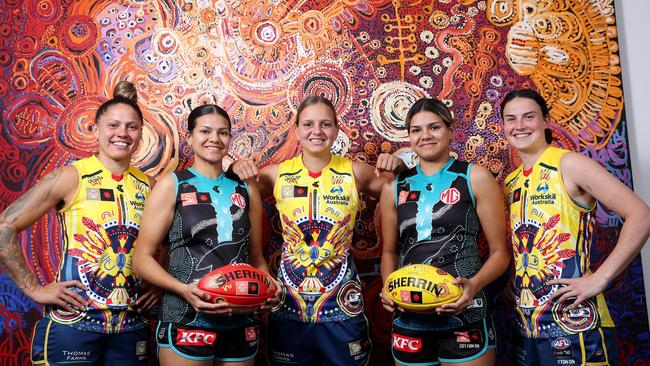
(238, 200)
(407, 344)
(186, 337)
(450, 196)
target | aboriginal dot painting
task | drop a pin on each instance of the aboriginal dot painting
(60, 59)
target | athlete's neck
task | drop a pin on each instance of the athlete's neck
(530, 157)
(432, 167)
(316, 162)
(117, 167)
(207, 169)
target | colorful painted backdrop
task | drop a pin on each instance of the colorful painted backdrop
(60, 59)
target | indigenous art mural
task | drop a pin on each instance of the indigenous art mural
(60, 60)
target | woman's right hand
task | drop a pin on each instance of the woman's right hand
(200, 301)
(245, 169)
(388, 303)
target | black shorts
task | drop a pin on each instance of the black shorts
(231, 345)
(431, 347)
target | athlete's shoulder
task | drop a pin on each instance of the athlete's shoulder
(459, 166)
(184, 175)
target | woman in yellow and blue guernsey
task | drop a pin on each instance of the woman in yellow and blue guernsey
(207, 217)
(562, 312)
(320, 318)
(90, 311)
(433, 214)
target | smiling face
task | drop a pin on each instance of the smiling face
(118, 132)
(317, 129)
(210, 138)
(524, 125)
(430, 137)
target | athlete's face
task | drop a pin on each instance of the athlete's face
(524, 124)
(118, 132)
(317, 129)
(210, 138)
(430, 137)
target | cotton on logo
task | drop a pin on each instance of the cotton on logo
(238, 200)
(186, 337)
(450, 196)
(407, 344)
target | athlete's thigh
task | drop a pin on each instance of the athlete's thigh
(167, 357)
(345, 342)
(58, 344)
(290, 342)
(486, 359)
(128, 348)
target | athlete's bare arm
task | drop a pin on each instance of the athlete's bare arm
(389, 234)
(265, 177)
(586, 181)
(156, 219)
(491, 211)
(55, 190)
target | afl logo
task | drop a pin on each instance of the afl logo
(561, 343)
(450, 196)
(238, 200)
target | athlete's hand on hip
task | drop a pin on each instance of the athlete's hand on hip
(200, 301)
(62, 294)
(150, 297)
(581, 288)
(245, 169)
(389, 163)
(465, 300)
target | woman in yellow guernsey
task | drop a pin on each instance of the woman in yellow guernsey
(320, 317)
(90, 312)
(562, 313)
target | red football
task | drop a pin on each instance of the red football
(239, 284)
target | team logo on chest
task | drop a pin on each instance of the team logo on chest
(238, 200)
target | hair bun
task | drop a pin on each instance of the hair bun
(125, 89)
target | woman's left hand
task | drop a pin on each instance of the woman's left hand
(465, 300)
(581, 288)
(270, 303)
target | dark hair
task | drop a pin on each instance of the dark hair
(434, 106)
(537, 98)
(123, 93)
(316, 99)
(204, 110)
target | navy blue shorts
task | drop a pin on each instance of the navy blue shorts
(60, 344)
(431, 347)
(193, 343)
(343, 342)
(592, 347)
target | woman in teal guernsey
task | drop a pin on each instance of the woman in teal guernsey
(433, 214)
(93, 311)
(320, 318)
(552, 195)
(205, 215)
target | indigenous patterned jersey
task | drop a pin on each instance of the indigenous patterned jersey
(438, 225)
(100, 225)
(317, 212)
(551, 238)
(210, 229)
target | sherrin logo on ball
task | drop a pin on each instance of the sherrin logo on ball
(238, 284)
(419, 287)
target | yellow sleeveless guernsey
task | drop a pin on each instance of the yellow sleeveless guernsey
(100, 226)
(317, 212)
(551, 238)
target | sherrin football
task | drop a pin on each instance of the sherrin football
(419, 287)
(238, 284)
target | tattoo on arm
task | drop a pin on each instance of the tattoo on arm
(11, 258)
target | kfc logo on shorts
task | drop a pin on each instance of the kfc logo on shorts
(450, 196)
(185, 337)
(407, 344)
(238, 200)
